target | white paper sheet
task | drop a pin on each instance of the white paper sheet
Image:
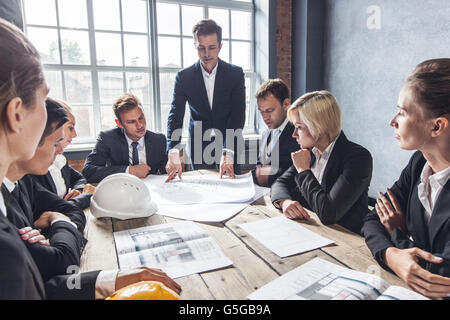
(200, 189)
(213, 212)
(319, 279)
(284, 237)
(179, 249)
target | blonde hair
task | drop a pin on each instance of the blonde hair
(320, 112)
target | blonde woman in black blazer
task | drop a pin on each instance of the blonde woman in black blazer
(335, 186)
(408, 232)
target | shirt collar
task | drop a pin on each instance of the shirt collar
(326, 154)
(282, 126)
(60, 161)
(440, 178)
(9, 184)
(140, 141)
(208, 75)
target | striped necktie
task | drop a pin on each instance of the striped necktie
(133, 156)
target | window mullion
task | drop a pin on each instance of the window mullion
(94, 72)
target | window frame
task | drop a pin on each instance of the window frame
(153, 109)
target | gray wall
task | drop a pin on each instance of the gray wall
(366, 68)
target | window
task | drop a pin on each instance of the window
(95, 50)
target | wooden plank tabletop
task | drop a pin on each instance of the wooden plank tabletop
(253, 264)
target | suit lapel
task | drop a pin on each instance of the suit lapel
(416, 211)
(124, 150)
(148, 146)
(218, 82)
(333, 161)
(51, 183)
(440, 214)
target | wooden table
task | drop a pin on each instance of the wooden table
(253, 264)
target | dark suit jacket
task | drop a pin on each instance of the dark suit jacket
(66, 242)
(35, 199)
(281, 154)
(73, 180)
(342, 197)
(433, 237)
(20, 277)
(228, 110)
(111, 154)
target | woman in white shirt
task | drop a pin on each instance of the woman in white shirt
(61, 178)
(408, 232)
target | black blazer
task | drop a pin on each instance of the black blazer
(35, 199)
(20, 277)
(342, 197)
(66, 242)
(433, 237)
(73, 179)
(282, 150)
(111, 154)
(227, 112)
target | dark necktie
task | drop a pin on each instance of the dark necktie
(135, 153)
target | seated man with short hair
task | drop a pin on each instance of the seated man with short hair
(127, 148)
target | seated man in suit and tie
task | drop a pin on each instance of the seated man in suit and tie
(277, 143)
(61, 178)
(330, 175)
(127, 148)
(215, 93)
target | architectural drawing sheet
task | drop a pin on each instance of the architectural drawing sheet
(211, 212)
(220, 199)
(179, 249)
(322, 280)
(284, 237)
(200, 189)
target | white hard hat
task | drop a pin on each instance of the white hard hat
(122, 196)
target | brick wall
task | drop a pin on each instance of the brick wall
(284, 40)
(77, 164)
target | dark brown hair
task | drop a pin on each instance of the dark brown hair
(125, 102)
(206, 27)
(56, 118)
(430, 86)
(20, 67)
(273, 86)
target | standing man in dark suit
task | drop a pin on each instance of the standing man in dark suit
(128, 148)
(277, 143)
(215, 92)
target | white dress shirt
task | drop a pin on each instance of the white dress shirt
(55, 172)
(430, 187)
(210, 79)
(2, 204)
(141, 150)
(318, 168)
(266, 149)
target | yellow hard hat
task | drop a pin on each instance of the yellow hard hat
(145, 290)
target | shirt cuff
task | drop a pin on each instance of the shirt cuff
(105, 285)
(60, 219)
(127, 170)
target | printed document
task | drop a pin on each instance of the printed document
(319, 279)
(179, 249)
(284, 237)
